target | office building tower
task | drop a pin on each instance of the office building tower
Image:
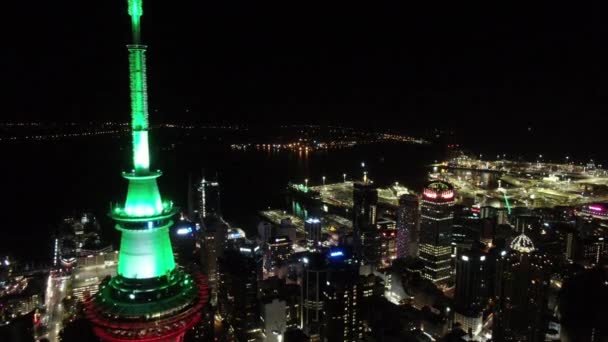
(589, 250)
(388, 246)
(150, 299)
(407, 226)
(365, 203)
(264, 231)
(210, 205)
(471, 291)
(572, 245)
(238, 291)
(521, 293)
(366, 237)
(465, 235)
(278, 251)
(582, 307)
(436, 215)
(343, 298)
(214, 237)
(594, 249)
(287, 228)
(314, 279)
(312, 226)
(370, 248)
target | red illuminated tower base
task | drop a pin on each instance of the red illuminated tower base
(164, 314)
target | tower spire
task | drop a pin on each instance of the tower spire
(139, 92)
(135, 11)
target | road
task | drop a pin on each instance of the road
(55, 292)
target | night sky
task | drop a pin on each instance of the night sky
(488, 72)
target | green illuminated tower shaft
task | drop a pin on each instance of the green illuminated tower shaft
(144, 221)
(139, 93)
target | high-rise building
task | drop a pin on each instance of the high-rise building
(278, 251)
(238, 291)
(436, 216)
(313, 281)
(471, 290)
(370, 248)
(388, 246)
(587, 250)
(210, 205)
(521, 293)
(264, 231)
(365, 203)
(312, 226)
(287, 228)
(343, 297)
(214, 237)
(594, 249)
(150, 299)
(366, 236)
(407, 226)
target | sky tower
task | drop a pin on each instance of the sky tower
(150, 299)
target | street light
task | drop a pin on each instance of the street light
(344, 176)
(306, 182)
(323, 180)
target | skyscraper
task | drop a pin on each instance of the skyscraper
(436, 214)
(521, 293)
(313, 282)
(150, 298)
(471, 290)
(366, 235)
(238, 291)
(312, 226)
(388, 247)
(278, 252)
(365, 202)
(343, 306)
(210, 199)
(214, 241)
(407, 226)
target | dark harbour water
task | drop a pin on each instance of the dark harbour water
(45, 181)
